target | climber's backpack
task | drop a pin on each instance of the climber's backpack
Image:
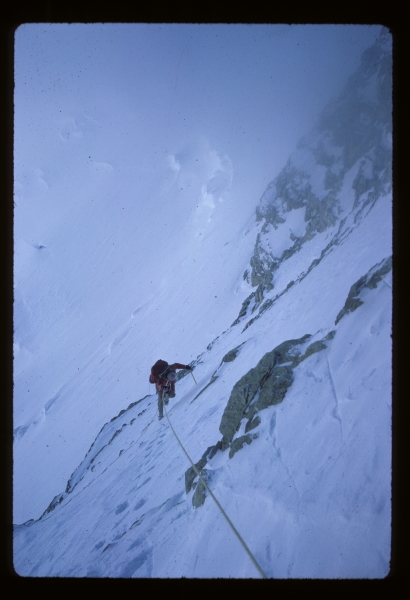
(158, 369)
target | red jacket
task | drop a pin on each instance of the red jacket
(161, 381)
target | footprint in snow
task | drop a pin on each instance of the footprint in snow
(139, 504)
(144, 559)
(121, 507)
(99, 545)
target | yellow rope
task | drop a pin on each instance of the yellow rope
(236, 532)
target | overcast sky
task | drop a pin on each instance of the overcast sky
(247, 92)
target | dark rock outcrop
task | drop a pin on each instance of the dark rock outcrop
(264, 385)
(268, 372)
(199, 495)
(239, 443)
(370, 280)
(192, 472)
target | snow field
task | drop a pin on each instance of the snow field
(103, 290)
(316, 489)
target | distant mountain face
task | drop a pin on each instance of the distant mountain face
(348, 153)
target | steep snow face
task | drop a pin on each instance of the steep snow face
(288, 420)
(308, 486)
(103, 288)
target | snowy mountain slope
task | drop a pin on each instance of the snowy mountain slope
(294, 397)
(314, 474)
(90, 319)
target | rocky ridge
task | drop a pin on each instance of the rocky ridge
(352, 142)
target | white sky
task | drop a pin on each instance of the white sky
(250, 91)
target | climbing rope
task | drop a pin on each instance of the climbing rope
(232, 526)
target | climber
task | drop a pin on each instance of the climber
(164, 377)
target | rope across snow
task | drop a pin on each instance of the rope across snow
(231, 525)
